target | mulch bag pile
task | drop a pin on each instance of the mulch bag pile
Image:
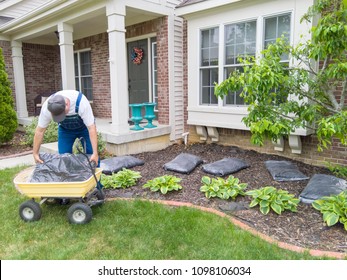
(183, 163)
(282, 170)
(225, 166)
(115, 164)
(62, 168)
(322, 185)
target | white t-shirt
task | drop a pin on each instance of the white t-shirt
(85, 110)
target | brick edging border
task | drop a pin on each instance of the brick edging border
(283, 245)
(17, 155)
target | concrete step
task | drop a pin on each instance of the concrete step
(51, 148)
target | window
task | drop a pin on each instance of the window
(240, 41)
(275, 27)
(208, 78)
(83, 72)
(233, 98)
(209, 65)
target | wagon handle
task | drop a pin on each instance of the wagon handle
(92, 164)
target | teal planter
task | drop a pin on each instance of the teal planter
(149, 116)
(136, 116)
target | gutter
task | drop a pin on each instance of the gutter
(201, 6)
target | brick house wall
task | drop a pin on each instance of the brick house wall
(42, 69)
(98, 45)
(336, 155)
(163, 72)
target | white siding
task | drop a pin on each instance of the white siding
(178, 78)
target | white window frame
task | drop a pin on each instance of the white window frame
(260, 29)
(237, 65)
(79, 76)
(209, 67)
(154, 74)
(290, 13)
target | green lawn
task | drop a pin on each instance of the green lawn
(125, 230)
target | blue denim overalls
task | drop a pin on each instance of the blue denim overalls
(70, 128)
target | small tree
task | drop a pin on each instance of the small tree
(8, 116)
(284, 97)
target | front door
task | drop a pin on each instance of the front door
(138, 72)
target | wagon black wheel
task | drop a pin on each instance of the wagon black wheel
(79, 213)
(30, 211)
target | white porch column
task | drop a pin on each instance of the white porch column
(115, 11)
(18, 71)
(66, 55)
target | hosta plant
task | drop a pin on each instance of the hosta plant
(224, 189)
(333, 208)
(271, 198)
(164, 184)
(122, 179)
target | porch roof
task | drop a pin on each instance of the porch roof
(38, 25)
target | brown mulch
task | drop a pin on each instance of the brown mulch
(304, 228)
(15, 146)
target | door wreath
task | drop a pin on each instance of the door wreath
(137, 55)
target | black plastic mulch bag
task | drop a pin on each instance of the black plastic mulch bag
(225, 166)
(113, 165)
(283, 170)
(183, 163)
(62, 168)
(322, 185)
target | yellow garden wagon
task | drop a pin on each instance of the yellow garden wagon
(87, 193)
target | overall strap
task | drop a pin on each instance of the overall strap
(78, 102)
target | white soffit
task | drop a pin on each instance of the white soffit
(202, 6)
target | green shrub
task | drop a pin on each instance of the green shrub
(51, 134)
(8, 116)
(122, 179)
(271, 198)
(333, 208)
(103, 153)
(164, 184)
(224, 189)
(101, 147)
